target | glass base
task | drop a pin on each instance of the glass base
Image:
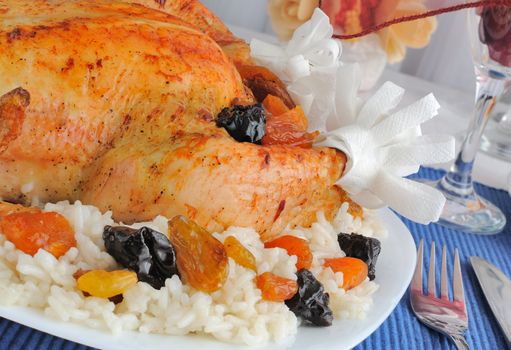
(470, 213)
(496, 140)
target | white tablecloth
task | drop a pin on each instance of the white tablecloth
(454, 116)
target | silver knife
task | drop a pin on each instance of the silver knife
(496, 287)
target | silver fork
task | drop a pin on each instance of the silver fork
(441, 314)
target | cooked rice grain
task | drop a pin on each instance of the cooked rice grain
(236, 313)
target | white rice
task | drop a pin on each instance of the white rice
(236, 313)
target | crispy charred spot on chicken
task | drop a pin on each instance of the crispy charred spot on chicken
(244, 123)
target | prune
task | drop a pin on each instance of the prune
(30, 230)
(311, 301)
(105, 284)
(244, 123)
(354, 271)
(364, 248)
(236, 251)
(294, 246)
(275, 288)
(145, 251)
(201, 258)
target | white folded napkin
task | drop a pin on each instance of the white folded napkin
(381, 147)
(307, 64)
(371, 57)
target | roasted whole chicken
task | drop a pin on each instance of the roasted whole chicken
(114, 104)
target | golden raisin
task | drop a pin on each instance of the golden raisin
(32, 230)
(276, 288)
(354, 271)
(201, 259)
(104, 284)
(288, 128)
(294, 246)
(236, 251)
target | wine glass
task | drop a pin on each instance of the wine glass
(490, 37)
(496, 139)
(495, 32)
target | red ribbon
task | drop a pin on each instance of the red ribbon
(425, 14)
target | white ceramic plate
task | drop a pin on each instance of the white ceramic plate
(393, 273)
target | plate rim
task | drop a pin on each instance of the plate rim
(73, 332)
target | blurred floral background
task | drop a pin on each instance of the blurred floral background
(435, 49)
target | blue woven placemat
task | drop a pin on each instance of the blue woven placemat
(401, 330)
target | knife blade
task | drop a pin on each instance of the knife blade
(496, 287)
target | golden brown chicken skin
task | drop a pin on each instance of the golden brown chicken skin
(193, 12)
(115, 104)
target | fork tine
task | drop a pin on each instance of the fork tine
(431, 273)
(459, 294)
(417, 276)
(444, 294)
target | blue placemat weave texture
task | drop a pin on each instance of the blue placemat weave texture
(401, 330)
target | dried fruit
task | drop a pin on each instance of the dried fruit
(201, 258)
(294, 246)
(275, 288)
(264, 82)
(244, 123)
(311, 301)
(32, 230)
(364, 248)
(274, 105)
(104, 284)
(236, 251)
(354, 271)
(289, 128)
(145, 251)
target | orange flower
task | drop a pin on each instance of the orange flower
(415, 34)
(287, 15)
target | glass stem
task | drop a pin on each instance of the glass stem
(459, 179)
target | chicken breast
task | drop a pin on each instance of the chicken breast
(114, 104)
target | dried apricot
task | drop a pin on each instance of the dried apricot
(33, 230)
(276, 288)
(105, 284)
(236, 251)
(274, 105)
(294, 246)
(201, 259)
(354, 270)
